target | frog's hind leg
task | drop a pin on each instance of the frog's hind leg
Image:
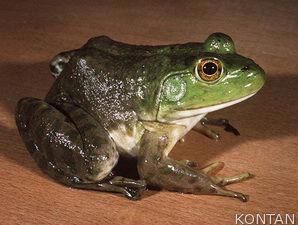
(128, 187)
(78, 154)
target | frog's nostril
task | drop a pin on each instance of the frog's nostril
(245, 68)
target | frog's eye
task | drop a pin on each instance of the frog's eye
(209, 69)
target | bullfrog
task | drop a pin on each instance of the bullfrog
(111, 99)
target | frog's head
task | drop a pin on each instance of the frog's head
(215, 78)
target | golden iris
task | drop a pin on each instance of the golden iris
(209, 69)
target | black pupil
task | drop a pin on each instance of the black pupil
(210, 68)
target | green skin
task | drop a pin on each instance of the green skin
(112, 99)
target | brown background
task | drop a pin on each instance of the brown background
(31, 32)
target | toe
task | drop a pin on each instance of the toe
(132, 194)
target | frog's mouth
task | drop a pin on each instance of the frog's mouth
(202, 111)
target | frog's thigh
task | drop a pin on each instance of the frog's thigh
(57, 146)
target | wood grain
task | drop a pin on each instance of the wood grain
(31, 32)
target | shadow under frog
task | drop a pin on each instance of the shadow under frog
(112, 99)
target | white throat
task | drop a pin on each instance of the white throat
(203, 111)
(189, 118)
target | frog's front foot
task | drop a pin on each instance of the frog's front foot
(202, 127)
(212, 169)
(161, 171)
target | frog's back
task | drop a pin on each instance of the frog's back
(115, 81)
(110, 46)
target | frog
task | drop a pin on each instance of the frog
(111, 100)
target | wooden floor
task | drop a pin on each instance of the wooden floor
(32, 32)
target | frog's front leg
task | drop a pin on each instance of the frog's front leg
(212, 170)
(161, 171)
(72, 147)
(202, 127)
